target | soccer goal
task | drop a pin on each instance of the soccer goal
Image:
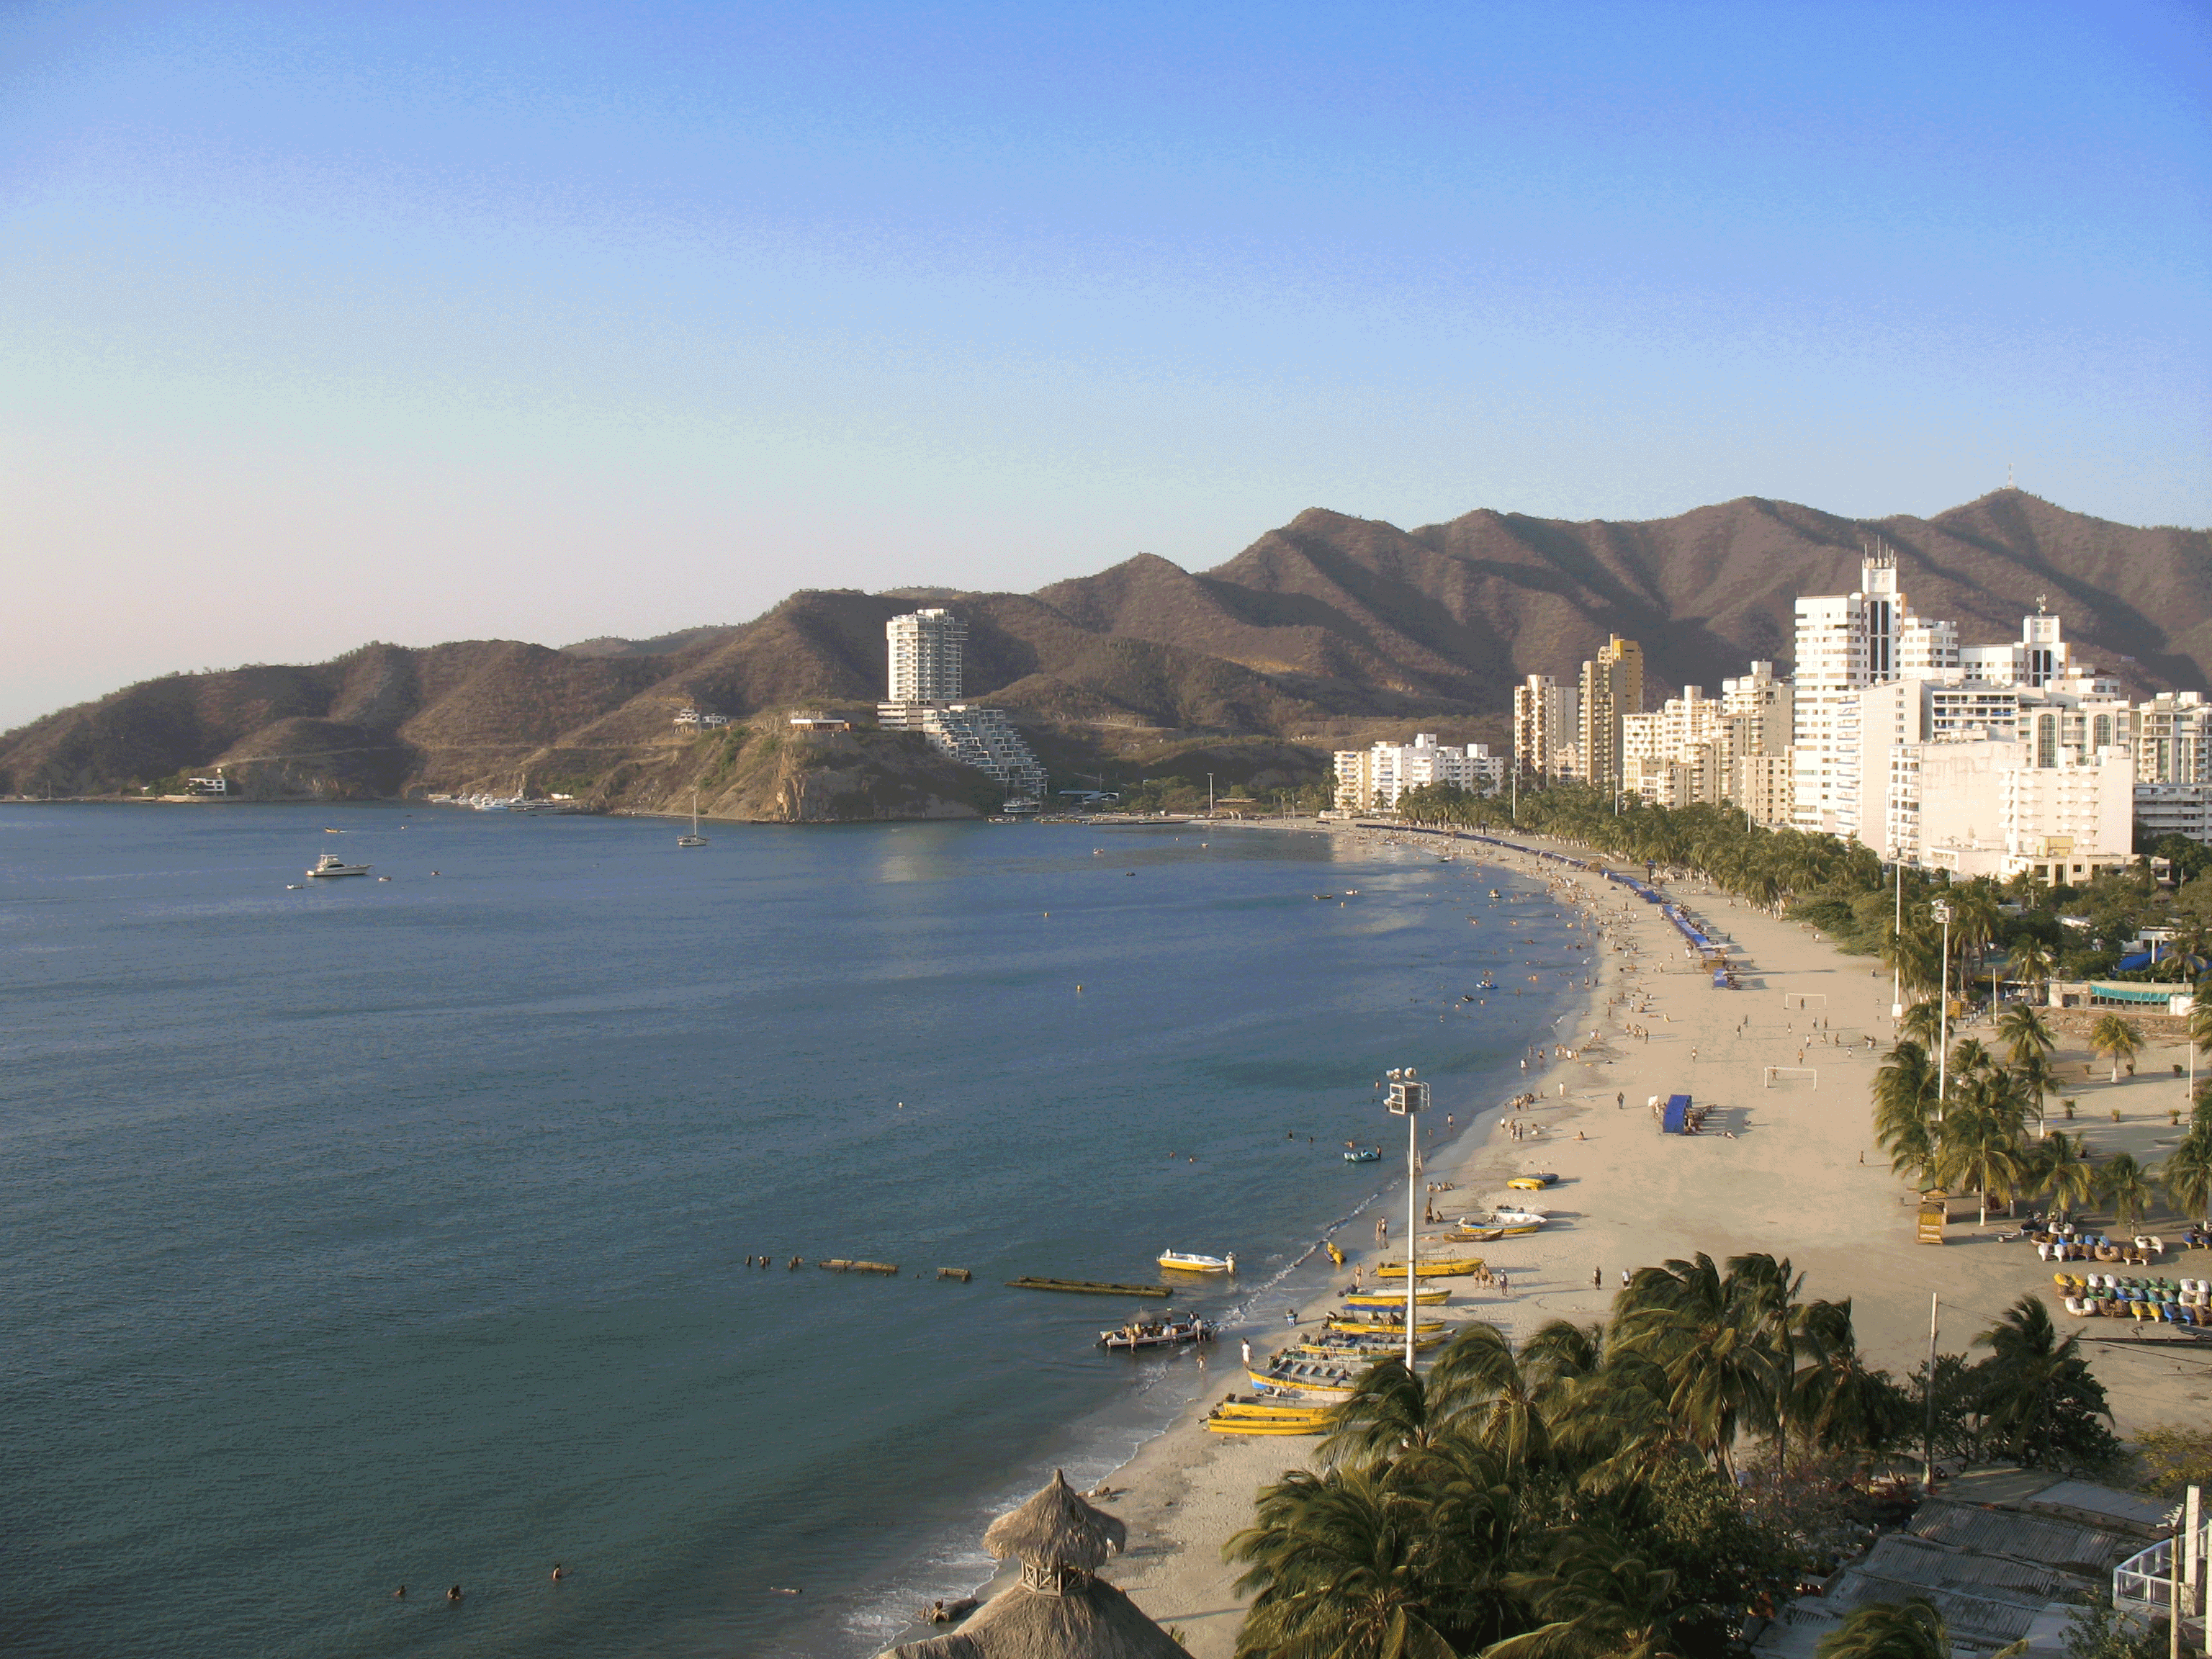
(1792, 1073)
(1805, 999)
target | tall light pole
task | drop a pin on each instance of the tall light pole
(1897, 951)
(1941, 910)
(1408, 1095)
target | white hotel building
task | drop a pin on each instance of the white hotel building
(1371, 779)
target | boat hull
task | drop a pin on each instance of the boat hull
(1447, 1269)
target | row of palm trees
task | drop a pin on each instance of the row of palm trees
(1580, 1497)
(1970, 1131)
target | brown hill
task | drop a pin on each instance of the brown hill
(1321, 631)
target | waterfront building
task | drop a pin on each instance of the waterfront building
(1612, 686)
(2172, 809)
(926, 649)
(1546, 727)
(1845, 642)
(2173, 738)
(1371, 779)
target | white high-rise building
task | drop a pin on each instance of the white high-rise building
(926, 649)
(1846, 641)
(1547, 728)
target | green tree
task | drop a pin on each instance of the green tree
(1889, 1629)
(2039, 1401)
(2115, 1038)
(2186, 1174)
(2032, 963)
(1977, 1149)
(2061, 1170)
(2023, 1032)
(2125, 1189)
(1598, 1599)
(1338, 1562)
(1707, 1336)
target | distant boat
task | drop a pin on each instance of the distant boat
(1364, 1155)
(695, 839)
(1191, 1263)
(331, 864)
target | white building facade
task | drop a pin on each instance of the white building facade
(1547, 729)
(1371, 779)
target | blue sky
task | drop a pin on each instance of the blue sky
(331, 322)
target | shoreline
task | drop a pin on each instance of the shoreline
(1789, 1169)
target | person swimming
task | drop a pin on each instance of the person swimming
(559, 1572)
(453, 1593)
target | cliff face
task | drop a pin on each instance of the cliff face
(1319, 631)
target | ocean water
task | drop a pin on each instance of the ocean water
(384, 1232)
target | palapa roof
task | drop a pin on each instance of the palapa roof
(1057, 1528)
(1095, 1621)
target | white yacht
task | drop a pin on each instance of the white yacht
(331, 864)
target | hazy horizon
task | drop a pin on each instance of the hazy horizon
(476, 320)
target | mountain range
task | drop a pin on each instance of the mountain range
(1325, 631)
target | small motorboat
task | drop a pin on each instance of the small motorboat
(1379, 1324)
(1167, 1333)
(1532, 1183)
(1364, 1155)
(331, 864)
(1499, 1224)
(1189, 1262)
(1493, 892)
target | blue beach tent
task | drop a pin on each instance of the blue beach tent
(1675, 1119)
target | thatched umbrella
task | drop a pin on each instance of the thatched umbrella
(1058, 1609)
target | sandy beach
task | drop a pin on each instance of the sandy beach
(1789, 1169)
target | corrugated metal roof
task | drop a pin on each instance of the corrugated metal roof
(2091, 1552)
(2086, 1497)
(1983, 1619)
(1901, 1555)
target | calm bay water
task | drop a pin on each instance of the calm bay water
(384, 1232)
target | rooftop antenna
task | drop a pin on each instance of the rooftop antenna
(2039, 606)
(2009, 485)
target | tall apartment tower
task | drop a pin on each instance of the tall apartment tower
(925, 652)
(926, 649)
(1846, 641)
(1546, 725)
(1612, 686)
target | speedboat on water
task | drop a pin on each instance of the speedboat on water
(1190, 1262)
(331, 864)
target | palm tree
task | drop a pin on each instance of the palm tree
(2064, 1172)
(1480, 1390)
(1976, 1150)
(2187, 1175)
(1922, 1025)
(2023, 1032)
(2030, 1377)
(1335, 1559)
(1905, 1106)
(1968, 1057)
(1708, 1339)
(2200, 1016)
(1598, 1601)
(1390, 1417)
(2036, 1077)
(1889, 1629)
(2125, 1189)
(2116, 1038)
(2030, 963)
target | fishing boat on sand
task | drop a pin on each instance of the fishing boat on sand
(1190, 1262)
(1312, 1380)
(1375, 1325)
(1442, 1268)
(1393, 1298)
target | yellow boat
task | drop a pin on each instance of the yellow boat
(1394, 1299)
(1381, 1347)
(1261, 1425)
(1442, 1268)
(1233, 1408)
(1379, 1328)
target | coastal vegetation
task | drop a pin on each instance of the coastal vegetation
(1637, 1486)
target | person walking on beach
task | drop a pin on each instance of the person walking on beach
(1247, 1347)
(1597, 1277)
